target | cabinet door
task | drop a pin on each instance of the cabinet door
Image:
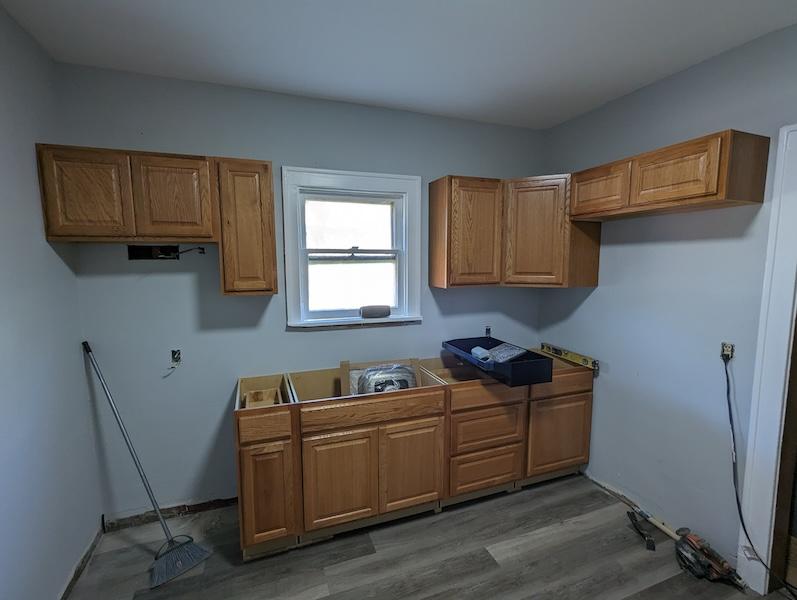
(681, 171)
(411, 462)
(172, 196)
(267, 492)
(86, 192)
(475, 234)
(248, 252)
(535, 231)
(341, 477)
(559, 431)
(601, 189)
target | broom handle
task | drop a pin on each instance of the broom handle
(128, 441)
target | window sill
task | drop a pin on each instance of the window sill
(355, 322)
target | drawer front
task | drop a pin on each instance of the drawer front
(566, 383)
(485, 469)
(488, 427)
(682, 171)
(477, 394)
(263, 426)
(335, 414)
(601, 189)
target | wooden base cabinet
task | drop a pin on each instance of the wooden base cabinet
(411, 460)
(267, 483)
(341, 477)
(559, 433)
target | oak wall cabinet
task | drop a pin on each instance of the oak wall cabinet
(465, 231)
(722, 169)
(99, 195)
(513, 232)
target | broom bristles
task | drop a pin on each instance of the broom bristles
(178, 558)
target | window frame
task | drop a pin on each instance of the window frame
(403, 191)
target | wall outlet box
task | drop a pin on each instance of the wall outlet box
(727, 350)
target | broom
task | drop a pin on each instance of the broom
(178, 554)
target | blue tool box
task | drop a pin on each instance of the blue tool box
(525, 369)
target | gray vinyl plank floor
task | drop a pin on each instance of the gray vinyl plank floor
(554, 541)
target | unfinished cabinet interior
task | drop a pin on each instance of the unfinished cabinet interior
(514, 232)
(101, 195)
(727, 168)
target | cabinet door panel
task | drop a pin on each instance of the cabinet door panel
(601, 189)
(248, 252)
(488, 427)
(172, 196)
(341, 473)
(267, 492)
(87, 192)
(410, 463)
(682, 171)
(535, 231)
(475, 242)
(559, 432)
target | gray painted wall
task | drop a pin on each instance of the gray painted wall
(134, 313)
(671, 288)
(50, 500)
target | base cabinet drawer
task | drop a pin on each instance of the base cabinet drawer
(559, 433)
(488, 428)
(268, 510)
(485, 469)
(341, 477)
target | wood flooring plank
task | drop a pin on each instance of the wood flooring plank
(683, 586)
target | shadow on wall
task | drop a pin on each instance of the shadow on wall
(517, 303)
(559, 305)
(716, 224)
(219, 468)
(214, 310)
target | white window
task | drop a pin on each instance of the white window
(351, 240)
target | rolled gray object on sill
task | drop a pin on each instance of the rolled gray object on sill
(375, 311)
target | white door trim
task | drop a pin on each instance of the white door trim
(773, 358)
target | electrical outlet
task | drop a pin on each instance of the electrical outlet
(177, 356)
(727, 350)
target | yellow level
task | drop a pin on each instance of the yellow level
(572, 357)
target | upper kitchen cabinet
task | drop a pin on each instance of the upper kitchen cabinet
(465, 231)
(86, 192)
(99, 195)
(515, 232)
(541, 246)
(248, 250)
(721, 169)
(172, 196)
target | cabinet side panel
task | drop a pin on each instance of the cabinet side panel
(747, 171)
(584, 254)
(438, 232)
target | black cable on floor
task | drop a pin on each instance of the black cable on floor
(790, 589)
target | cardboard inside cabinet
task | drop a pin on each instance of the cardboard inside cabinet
(448, 368)
(347, 367)
(258, 392)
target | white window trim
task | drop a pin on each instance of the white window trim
(295, 180)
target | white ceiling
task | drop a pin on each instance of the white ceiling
(533, 63)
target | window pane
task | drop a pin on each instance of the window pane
(338, 224)
(350, 285)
